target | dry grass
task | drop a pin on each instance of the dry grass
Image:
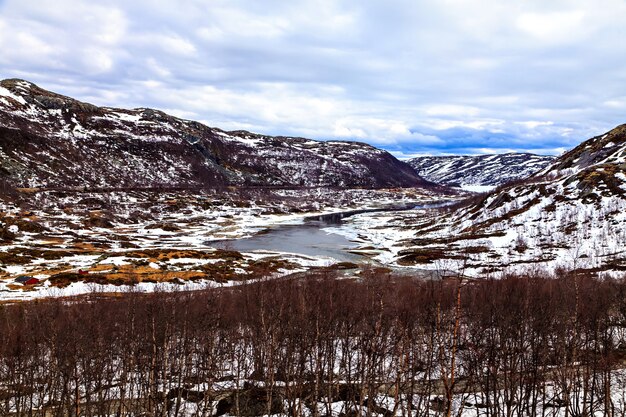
(27, 190)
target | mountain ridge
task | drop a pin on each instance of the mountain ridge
(47, 140)
(479, 170)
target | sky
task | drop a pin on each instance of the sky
(414, 77)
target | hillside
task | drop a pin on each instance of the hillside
(572, 214)
(479, 170)
(49, 140)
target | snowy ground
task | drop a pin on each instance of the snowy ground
(164, 244)
(478, 188)
(519, 230)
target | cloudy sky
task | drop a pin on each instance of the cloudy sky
(411, 76)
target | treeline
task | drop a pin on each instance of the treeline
(380, 345)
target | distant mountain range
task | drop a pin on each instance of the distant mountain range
(49, 140)
(479, 171)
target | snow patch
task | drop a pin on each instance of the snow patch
(6, 93)
(478, 188)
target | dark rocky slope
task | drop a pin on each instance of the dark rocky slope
(49, 140)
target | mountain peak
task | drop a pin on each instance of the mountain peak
(23, 88)
(17, 84)
(607, 148)
(18, 93)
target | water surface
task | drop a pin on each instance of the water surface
(311, 238)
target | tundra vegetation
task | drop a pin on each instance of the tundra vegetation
(533, 344)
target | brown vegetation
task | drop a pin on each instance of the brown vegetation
(515, 346)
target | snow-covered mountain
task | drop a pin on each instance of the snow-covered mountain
(571, 214)
(49, 140)
(479, 170)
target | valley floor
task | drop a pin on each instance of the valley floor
(110, 241)
(80, 242)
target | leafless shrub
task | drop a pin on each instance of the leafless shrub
(288, 345)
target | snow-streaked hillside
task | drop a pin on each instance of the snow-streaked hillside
(572, 214)
(471, 172)
(49, 140)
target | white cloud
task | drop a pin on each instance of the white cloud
(342, 131)
(385, 131)
(478, 124)
(156, 68)
(97, 60)
(113, 26)
(491, 151)
(240, 23)
(399, 73)
(532, 124)
(451, 110)
(175, 45)
(31, 44)
(616, 104)
(554, 26)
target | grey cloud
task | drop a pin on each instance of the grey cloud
(406, 75)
